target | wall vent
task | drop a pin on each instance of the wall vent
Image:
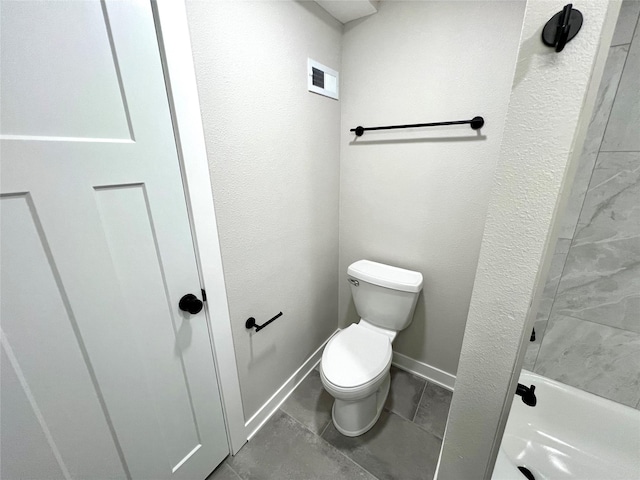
(322, 79)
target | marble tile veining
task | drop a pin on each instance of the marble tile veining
(563, 245)
(553, 279)
(602, 109)
(601, 284)
(601, 279)
(626, 22)
(607, 96)
(596, 358)
(622, 130)
(611, 209)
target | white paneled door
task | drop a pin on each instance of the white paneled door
(103, 375)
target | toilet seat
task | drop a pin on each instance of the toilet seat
(355, 393)
(355, 358)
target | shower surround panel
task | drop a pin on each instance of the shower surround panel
(588, 323)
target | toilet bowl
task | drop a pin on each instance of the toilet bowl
(355, 371)
(355, 363)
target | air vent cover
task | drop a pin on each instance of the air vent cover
(322, 79)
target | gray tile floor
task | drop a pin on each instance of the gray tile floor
(300, 441)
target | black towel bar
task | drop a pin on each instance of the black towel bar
(475, 122)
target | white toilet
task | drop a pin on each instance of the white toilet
(356, 361)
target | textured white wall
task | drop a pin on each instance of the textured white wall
(418, 199)
(273, 153)
(549, 110)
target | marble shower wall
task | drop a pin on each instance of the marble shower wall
(588, 324)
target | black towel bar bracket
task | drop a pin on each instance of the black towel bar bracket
(251, 322)
(476, 123)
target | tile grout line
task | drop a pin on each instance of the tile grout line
(329, 444)
(325, 427)
(633, 33)
(424, 389)
(236, 473)
(618, 151)
(424, 429)
(599, 324)
(419, 427)
(298, 422)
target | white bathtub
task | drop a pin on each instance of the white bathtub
(569, 434)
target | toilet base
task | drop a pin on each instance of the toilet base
(354, 418)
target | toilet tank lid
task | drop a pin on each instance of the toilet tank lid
(386, 275)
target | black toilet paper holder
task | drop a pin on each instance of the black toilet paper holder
(251, 322)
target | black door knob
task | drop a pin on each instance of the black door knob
(190, 303)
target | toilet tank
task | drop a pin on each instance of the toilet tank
(384, 296)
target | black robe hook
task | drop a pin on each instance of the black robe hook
(562, 27)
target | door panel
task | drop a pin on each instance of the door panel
(27, 428)
(47, 358)
(132, 244)
(96, 252)
(87, 73)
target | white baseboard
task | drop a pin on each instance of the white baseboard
(429, 373)
(255, 423)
